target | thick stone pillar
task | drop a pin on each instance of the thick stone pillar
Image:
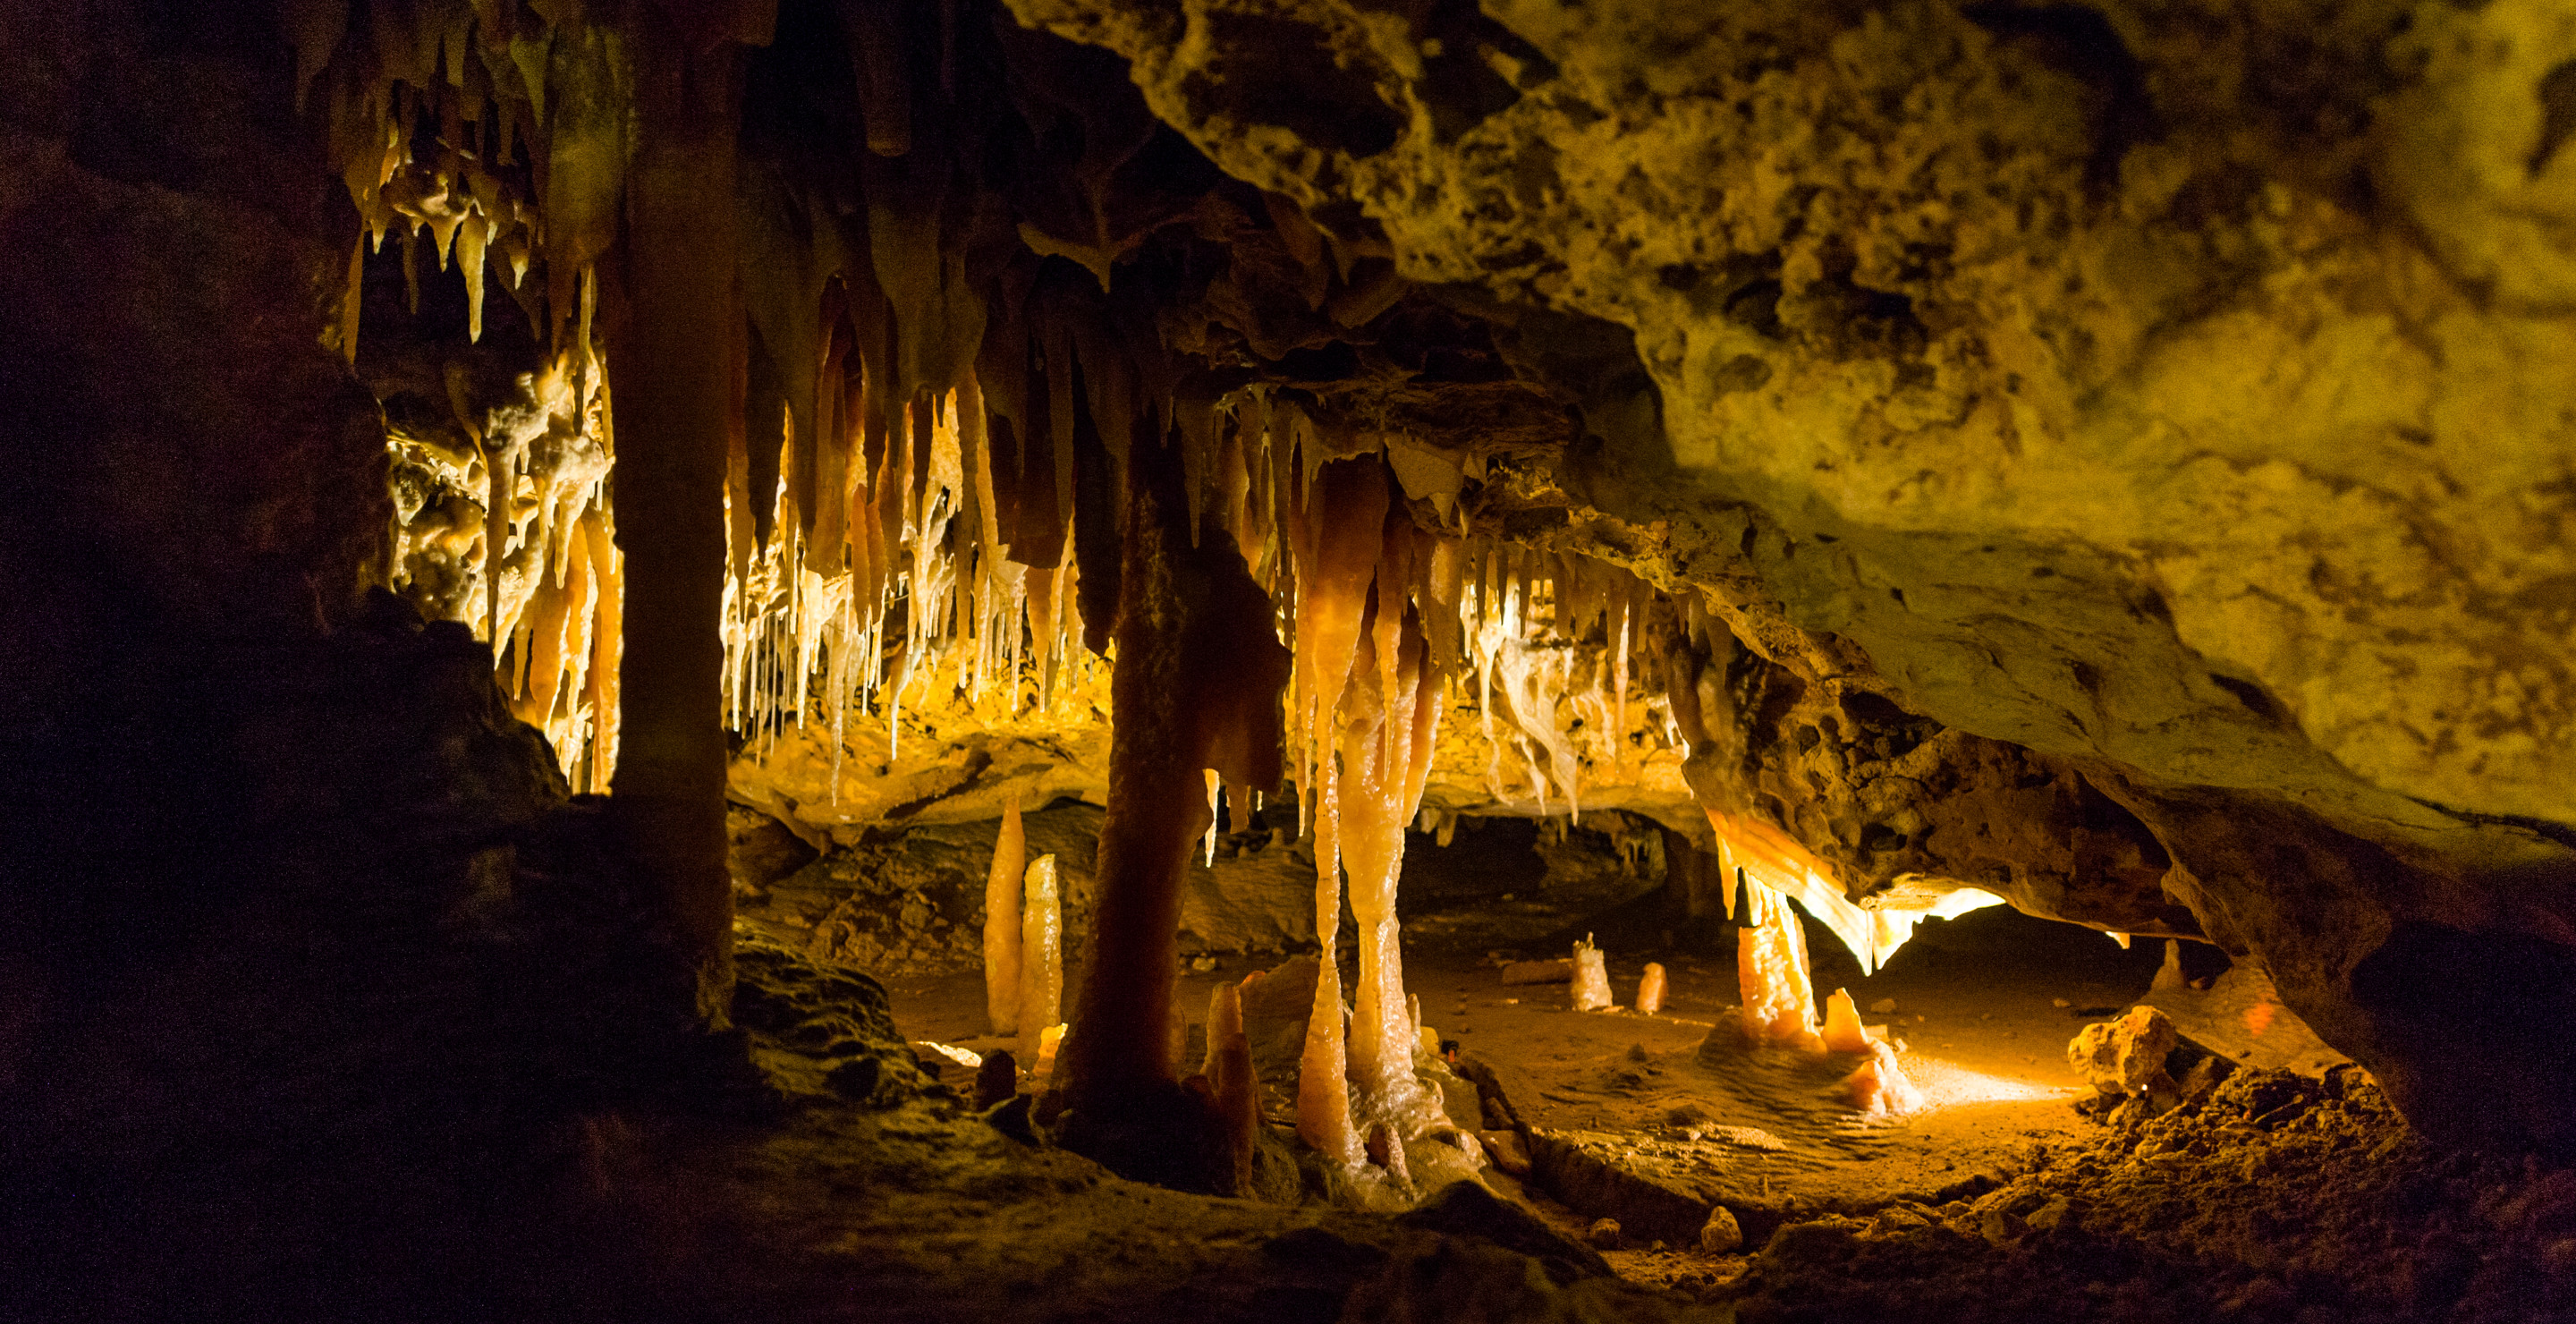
(671, 390)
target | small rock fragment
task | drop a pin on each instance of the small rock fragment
(1603, 1234)
(1882, 1007)
(1721, 1235)
(1505, 1149)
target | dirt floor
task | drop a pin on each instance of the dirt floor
(2276, 1196)
(1644, 1127)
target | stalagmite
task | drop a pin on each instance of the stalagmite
(1230, 1076)
(1003, 923)
(1650, 991)
(1771, 973)
(1041, 997)
(1050, 1046)
(1843, 1032)
(2169, 976)
(1879, 1087)
(1591, 978)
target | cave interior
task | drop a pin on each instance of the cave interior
(1288, 660)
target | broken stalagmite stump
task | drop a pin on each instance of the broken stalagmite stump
(1003, 923)
(1650, 990)
(997, 1079)
(1843, 1032)
(1591, 978)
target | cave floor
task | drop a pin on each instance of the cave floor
(2280, 1197)
(1983, 1007)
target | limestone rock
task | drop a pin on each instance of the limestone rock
(2126, 1057)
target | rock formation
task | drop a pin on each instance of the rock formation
(2111, 458)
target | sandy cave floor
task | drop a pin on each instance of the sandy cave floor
(2277, 1197)
(1983, 1005)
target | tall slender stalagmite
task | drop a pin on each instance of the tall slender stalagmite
(672, 402)
(1002, 923)
(1199, 669)
(1389, 714)
(1041, 970)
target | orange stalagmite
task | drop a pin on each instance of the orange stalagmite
(1231, 1081)
(1879, 1087)
(1650, 990)
(1591, 978)
(1041, 976)
(1002, 923)
(1388, 716)
(1843, 1032)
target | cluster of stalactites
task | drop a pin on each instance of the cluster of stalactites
(495, 135)
(1365, 703)
(511, 534)
(1773, 862)
(1548, 639)
(893, 584)
(497, 139)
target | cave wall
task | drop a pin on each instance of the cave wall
(308, 965)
